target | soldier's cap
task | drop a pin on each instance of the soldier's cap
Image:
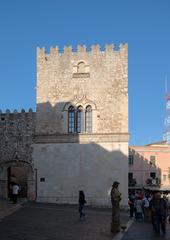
(115, 183)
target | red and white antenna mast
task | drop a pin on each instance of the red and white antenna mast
(166, 134)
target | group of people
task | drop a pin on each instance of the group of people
(139, 205)
(153, 207)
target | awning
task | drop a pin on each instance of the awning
(156, 188)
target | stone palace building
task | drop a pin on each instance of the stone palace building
(78, 137)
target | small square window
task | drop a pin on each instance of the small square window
(42, 179)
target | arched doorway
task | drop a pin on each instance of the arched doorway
(21, 173)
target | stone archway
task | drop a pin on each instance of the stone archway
(20, 172)
(19, 175)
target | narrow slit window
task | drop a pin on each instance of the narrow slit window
(71, 119)
(88, 119)
(79, 119)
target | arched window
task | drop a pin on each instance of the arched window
(81, 67)
(71, 119)
(79, 120)
(88, 119)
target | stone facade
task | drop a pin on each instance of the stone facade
(101, 82)
(59, 154)
(89, 161)
(16, 145)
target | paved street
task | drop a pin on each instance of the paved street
(143, 231)
(36, 221)
(7, 208)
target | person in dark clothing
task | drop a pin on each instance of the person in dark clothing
(82, 202)
(131, 205)
(158, 207)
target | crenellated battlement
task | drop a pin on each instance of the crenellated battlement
(16, 113)
(94, 49)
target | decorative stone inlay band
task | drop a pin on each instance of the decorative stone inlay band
(81, 75)
(82, 138)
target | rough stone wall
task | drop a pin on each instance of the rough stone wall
(16, 136)
(98, 78)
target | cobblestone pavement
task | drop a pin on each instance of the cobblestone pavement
(7, 208)
(143, 231)
(35, 221)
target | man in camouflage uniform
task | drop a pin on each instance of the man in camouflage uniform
(115, 199)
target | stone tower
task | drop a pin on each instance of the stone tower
(82, 135)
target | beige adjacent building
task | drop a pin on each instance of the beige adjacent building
(149, 166)
(81, 140)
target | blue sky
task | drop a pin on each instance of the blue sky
(143, 24)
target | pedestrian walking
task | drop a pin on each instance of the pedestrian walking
(139, 209)
(15, 191)
(82, 202)
(165, 197)
(168, 197)
(131, 204)
(158, 208)
(146, 211)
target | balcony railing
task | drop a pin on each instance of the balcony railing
(153, 182)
